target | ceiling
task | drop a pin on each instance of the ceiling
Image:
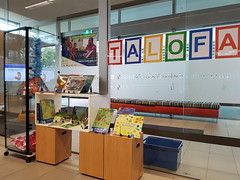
(57, 9)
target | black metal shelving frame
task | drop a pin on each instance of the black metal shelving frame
(27, 154)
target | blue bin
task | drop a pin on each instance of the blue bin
(162, 152)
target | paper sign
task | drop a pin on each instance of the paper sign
(153, 48)
(176, 46)
(133, 48)
(115, 52)
(227, 42)
(200, 44)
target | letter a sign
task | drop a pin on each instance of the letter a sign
(133, 49)
(227, 42)
(115, 52)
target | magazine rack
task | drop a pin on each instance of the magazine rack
(29, 66)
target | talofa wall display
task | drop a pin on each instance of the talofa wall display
(200, 46)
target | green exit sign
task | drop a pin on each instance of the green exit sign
(88, 31)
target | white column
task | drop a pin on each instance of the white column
(104, 9)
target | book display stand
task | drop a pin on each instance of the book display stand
(55, 136)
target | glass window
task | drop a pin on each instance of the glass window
(84, 22)
(192, 5)
(64, 26)
(2, 13)
(51, 28)
(149, 10)
(7, 25)
(114, 17)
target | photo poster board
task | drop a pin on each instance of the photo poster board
(80, 49)
(15, 72)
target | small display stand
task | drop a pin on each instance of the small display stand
(54, 142)
(111, 157)
(53, 145)
(123, 158)
(95, 101)
(91, 154)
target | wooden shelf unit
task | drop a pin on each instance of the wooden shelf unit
(111, 157)
(53, 145)
(95, 101)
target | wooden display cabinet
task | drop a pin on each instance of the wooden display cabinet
(111, 157)
(123, 158)
(91, 154)
(53, 145)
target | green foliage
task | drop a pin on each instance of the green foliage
(49, 56)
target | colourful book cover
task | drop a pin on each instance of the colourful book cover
(128, 125)
(80, 113)
(124, 110)
(103, 120)
(80, 116)
(39, 113)
(48, 109)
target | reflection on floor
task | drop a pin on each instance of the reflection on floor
(13, 168)
(227, 112)
(221, 127)
(208, 161)
(199, 161)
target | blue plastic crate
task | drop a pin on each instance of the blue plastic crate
(162, 152)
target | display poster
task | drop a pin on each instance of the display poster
(227, 42)
(176, 46)
(153, 46)
(15, 72)
(200, 44)
(115, 52)
(81, 49)
(133, 48)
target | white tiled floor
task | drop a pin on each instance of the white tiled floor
(205, 161)
(221, 127)
(12, 168)
(200, 160)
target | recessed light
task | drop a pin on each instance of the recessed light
(40, 4)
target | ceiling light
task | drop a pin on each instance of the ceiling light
(40, 4)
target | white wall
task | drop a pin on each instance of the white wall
(203, 80)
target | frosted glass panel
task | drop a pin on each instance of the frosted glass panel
(51, 28)
(84, 23)
(64, 26)
(192, 5)
(114, 17)
(145, 11)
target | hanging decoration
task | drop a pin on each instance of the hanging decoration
(37, 64)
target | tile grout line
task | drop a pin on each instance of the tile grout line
(45, 173)
(209, 150)
(235, 161)
(16, 171)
